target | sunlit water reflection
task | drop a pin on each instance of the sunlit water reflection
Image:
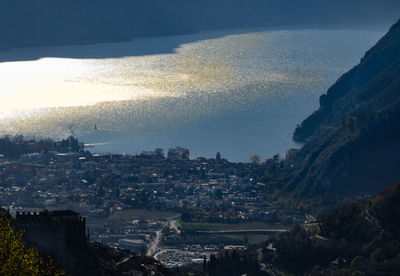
(237, 92)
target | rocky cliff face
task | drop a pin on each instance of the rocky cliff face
(372, 85)
(353, 140)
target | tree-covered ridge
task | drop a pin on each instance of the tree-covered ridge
(361, 239)
(17, 145)
(18, 260)
(361, 157)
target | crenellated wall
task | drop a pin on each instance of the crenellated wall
(60, 234)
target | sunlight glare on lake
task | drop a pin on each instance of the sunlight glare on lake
(56, 82)
(237, 92)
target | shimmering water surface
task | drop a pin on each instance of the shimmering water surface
(239, 92)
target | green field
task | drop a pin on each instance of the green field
(203, 239)
(205, 226)
(131, 214)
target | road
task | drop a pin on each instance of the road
(173, 224)
(154, 245)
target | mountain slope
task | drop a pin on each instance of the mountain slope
(25, 23)
(361, 239)
(372, 85)
(353, 140)
(360, 157)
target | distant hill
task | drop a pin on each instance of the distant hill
(361, 239)
(26, 23)
(353, 140)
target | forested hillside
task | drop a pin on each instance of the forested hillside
(54, 22)
(361, 239)
(360, 157)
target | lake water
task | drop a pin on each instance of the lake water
(239, 92)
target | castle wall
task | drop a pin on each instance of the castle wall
(58, 234)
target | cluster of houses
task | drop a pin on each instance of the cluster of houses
(100, 185)
(96, 185)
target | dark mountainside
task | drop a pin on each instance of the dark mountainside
(372, 85)
(361, 239)
(352, 150)
(25, 23)
(353, 139)
(360, 157)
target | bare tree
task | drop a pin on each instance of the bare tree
(255, 158)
